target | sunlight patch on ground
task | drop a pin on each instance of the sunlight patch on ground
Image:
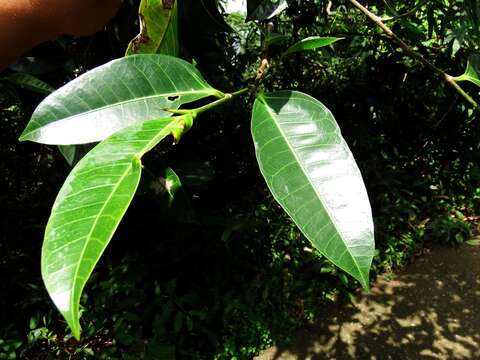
(426, 312)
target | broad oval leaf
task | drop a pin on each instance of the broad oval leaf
(114, 96)
(264, 9)
(311, 43)
(158, 29)
(312, 174)
(89, 208)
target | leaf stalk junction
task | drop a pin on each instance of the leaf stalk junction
(224, 97)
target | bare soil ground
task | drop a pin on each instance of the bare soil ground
(429, 311)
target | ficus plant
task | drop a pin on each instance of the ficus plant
(129, 105)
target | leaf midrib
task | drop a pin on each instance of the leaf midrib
(88, 238)
(272, 114)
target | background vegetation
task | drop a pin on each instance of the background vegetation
(225, 273)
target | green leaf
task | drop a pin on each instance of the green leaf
(162, 184)
(73, 153)
(264, 9)
(311, 43)
(312, 174)
(173, 202)
(68, 152)
(30, 82)
(158, 29)
(159, 35)
(89, 208)
(172, 184)
(114, 96)
(275, 38)
(475, 242)
(472, 73)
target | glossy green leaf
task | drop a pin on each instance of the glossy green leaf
(311, 43)
(158, 29)
(264, 9)
(472, 73)
(114, 96)
(30, 82)
(89, 208)
(158, 35)
(312, 174)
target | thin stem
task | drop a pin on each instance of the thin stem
(225, 98)
(178, 111)
(409, 51)
(350, 33)
(462, 92)
(194, 112)
(407, 13)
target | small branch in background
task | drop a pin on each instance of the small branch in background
(261, 69)
(350, 33)
(410, 52)
(264, 65)
(449, 110)
(328, 9)
(405, 14)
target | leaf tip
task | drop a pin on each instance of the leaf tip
(24, 136)
(69, 310)
(364, 280)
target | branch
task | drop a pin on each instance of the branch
(407, 13)
(410, 52)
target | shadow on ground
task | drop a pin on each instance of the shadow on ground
(429, 311)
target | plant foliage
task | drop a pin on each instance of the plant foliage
(89, 207)
(311, 43)
(312, 174)
(114, 96)
(303, 170)
(132, 103)
(158, 29)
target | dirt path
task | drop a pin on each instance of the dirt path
(429, 311)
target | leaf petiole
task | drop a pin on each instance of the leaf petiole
(194, 112)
